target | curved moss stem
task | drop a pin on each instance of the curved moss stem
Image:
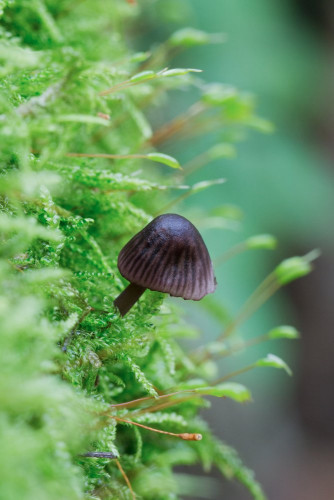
(128, 298)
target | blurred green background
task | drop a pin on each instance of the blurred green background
(284, 183)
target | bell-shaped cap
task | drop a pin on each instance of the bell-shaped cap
(170, 256)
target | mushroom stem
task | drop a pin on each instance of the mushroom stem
(128, 298)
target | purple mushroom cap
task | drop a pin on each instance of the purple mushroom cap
(170, 256)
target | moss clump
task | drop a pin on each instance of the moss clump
(65, 353)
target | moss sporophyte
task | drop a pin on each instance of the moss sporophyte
(168, 255)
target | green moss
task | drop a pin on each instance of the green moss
(63, 221)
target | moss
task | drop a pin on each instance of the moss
(63, 221)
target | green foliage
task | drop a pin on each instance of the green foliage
(190, 37)
(266, 241)
(162, 158)
(275, 362)
(232, 390)
(284, 332)
(293, 268)
(72, 134)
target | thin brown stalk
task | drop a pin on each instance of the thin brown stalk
(187, 436)
(146, 398)
(177, 124)
(168, 404)
(233, 374)
(104, 155)
(126, 479)
(123, 85)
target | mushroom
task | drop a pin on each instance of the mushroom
(168, 255)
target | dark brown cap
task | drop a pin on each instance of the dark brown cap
(169, 255)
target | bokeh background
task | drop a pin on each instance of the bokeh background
(283, 52)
